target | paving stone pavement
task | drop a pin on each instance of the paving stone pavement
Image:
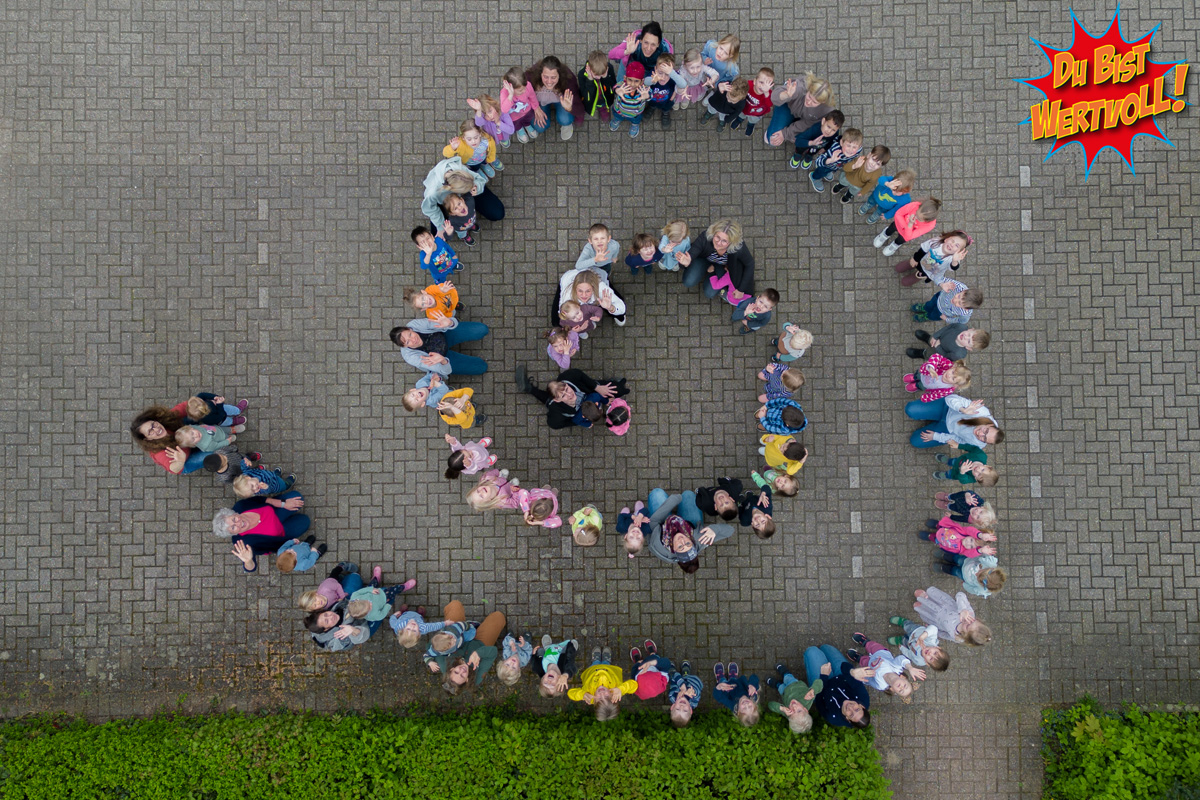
(218, 196)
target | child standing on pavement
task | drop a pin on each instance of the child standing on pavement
(662, 86)
(494, 122)
(693, 78)
(476, 149)
(436, 256)
(632, 96)
(954, 303)
(652, 671)
(843, 151)
(206, 408)
(722, 55)
(603, 684)
(459, 211)
(792, 343)
(597, 85)
(439, 302)
(563, 344)
(911, 221)
(297, 555)
(586, 525)
(554, 664)
(726, 102)
(861, 173)
(539, 506)
(758, 100)
(781, 381)
(684, 694)
(889, 194)
(600, 252)
(514, 654)
(643, 254)
(675, 240)
(456, 408)
(469, 458)
(518, 99)
(754, 312)
(894, 674)
(816, 139)
(919, 644)
(737, 693)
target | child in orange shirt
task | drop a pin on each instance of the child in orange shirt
(439, 301)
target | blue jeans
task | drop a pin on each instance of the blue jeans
(195, 461)
(787, 681)
(820, 172)
(935, 411)
(687, 507)
(555, 111)
(697, 274)
(817, 657)
(872, 207)
(352, 583)
(661, 663)
(459, 363)
(780, 119)
(932, 312)
(295, 523)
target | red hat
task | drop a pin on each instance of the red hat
(634, 69)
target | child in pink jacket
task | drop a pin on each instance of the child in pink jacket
(910, 222)
(955, 537)
(539, 506)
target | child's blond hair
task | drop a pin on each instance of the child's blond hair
(733, 44)
(587, 535)
(184, 432)
(606, 709)
(666, 59)
(410, 401)
(308, 601)
(801, 340)
(486, 101)
(792, 379)
(906, 179)
(995, 580)
(407, 637)
(547, 692)
(692, 56)
(852, 136)
(987, 477)
(597, 62)
(680, 717)
(632, 548)
(747, 714)
(902, 680)
(469, 125)
(929, 208)
(984, 517)
(481, 505)
(568, 307)
(977, 635)
(286, 561)
(958, 376)
(357, 608)
(675, 230)
(800, 723)
(507, 673)
(739, 89)
(442, 641)
(241, 487)
(793, 485)
(198, 408)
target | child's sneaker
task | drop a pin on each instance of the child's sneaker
(634, 130)
(480, 416)
(891, 249)
(781, 668)
(469, 240)
(794, 162)
(615, 125)
(310, 540)
(460, 266)
(774, 684)
(606, 654)
(666, 120)
(863, 208)
(408, 585)
(567, 132)
(875, 217)
(881, 239)
(596, 655)
(898, 621)
(846, 198)
(853, 656)
(676, 106)
(492, 459)
(895, 641)
(942, 458)
(633, 270)
(818, 187)
(859, 638)
(533, 134)
(507, 143)
(497, 165)
(421, 610)
(635, 655)
(322, 549)
(651, 647)
(649, 269)
(255, 456)
(719, 671)
(620, 320)
(749, 130)
(638, 506)
(720, 124)
(239, 420)
(737, 123)
(684, 104)
(547, 640)
(733, 671)
(377, 576)
(707, 116)
(806, 163)
(488, 171)
(522, 137)
(943, 476)
(685, 668)
(941, 497)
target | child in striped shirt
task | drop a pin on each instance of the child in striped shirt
(632, 96)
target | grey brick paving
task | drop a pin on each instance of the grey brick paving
(219, 196)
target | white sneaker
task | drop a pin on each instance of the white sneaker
(533, 134)
(567, 132)
(620, 320)
(891, 249)
(546, 640)
(880, 239)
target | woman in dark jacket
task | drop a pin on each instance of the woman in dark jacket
(717, 251)
(564, 395)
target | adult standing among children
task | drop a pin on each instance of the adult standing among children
(717, 251)
(799, 105)
(154, 431)
(957, 421)
(643, 47)
(557, 91)
(564, 395)
(260, 525)
(427, 345)
(451, 176)
(843, 701)
(588, 287)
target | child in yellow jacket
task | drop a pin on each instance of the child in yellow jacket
(476, 149)
(603, 685)
(456, 408)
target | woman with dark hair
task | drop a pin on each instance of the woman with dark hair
(154, 431)
(333, 628)
(564, 396)
(451, 176)
(557, 91)
(719, 251)
(478, 655)
(670, 530)
(644, 47)
(428, 347)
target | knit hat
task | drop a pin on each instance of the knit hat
(634, 69)
(613, 405)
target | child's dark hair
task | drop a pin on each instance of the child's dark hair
(617, 416)
(591, 411)
(795, 451)
(599, 227)
(212, 462)
(640, 241)
(862, 723)
(417, 231)
(541, 508)
(882, 153)
(556, 333)
(836, 117)
(772, 296)
(689, 567)
(455, 465)
(729, 514)
(794, 418)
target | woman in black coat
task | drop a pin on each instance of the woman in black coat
(717, 251)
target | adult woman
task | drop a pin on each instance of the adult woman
(427, 347)
(259, 526)
(719, 250)
(478, 654)
(843, 701)
(557, 92)
(564, 395)
(333, 628)
(670, 529)
(588, 287)
(154, 431)
(959, 422)
(795, 112)
(451, 176)
(643, 47)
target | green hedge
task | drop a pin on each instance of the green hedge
(487, 754)
(1093, 754)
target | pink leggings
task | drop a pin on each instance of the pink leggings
(871, 648)
(723, 281)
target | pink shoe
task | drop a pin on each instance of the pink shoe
(377, 575)
(942, 496)
(486, 441)
(239, 420)
(625, 510)
(242, 405)
(492, 460)
(910, 387)
(408, 584)
(638, 506)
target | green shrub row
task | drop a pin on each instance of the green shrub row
(486, 754)
(1093, 754)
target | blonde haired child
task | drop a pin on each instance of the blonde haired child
(586, 524)
(456, 408)
(792, 343)
(539, 506)
(692, 78)
(894, 674)
(780, 381)
(378, 599)
(518, 99)
(439, 302)
(952, 615)
(684, 694)
(514, 654)
(428, 392)
(980, 575)
(675, 240)
(410, 626)
(469, 458)
(939, 377)
(779, 481)
(889, 194)
(554, 664)
(494, 490)
(206, 408)
(492, 119)
(476, 148)
(736, 692)
(726, 102)
(207, 438)
(722, 56)
(955, 537)
(579, 319)
(911, 221)
(935, 259)
(603, 684)
(842, 151)
(796, 697)
(919, 644)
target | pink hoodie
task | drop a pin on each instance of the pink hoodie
(907, 223)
